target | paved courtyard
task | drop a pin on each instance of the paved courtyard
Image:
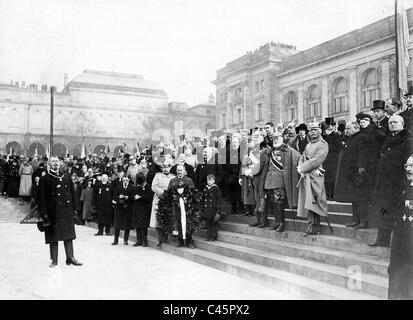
(110, 272)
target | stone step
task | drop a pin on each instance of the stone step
(367, 263)
(365, 235)
(296, 285)
(325, 241)
(332, 206)
(337, 276)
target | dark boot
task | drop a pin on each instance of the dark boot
(382, 240)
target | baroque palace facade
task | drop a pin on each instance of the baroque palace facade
(337, 78)
(96, 108)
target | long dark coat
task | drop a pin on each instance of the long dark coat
(102, 201)
(211, 201)
(141, 208)
(401, 257)
(77, 192)
(56, 201)
(331, 162)
(350, 186)
(232, 170)
(13, 180)
(390, 173)
(123, 208)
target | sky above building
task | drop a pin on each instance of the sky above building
(177, 43)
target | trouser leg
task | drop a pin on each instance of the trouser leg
(356, 212)
(69, 249)
(280, 211)
(117, 233)
(107, 229)
(139, 236)
(159, 235)
(144, 232)
(100, 228)
(214, 229)
(313, 222)
(54, 251)
(126, 235)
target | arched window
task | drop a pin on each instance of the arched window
(313, 102)
(339, 95)
(99, 149)
(36, 147)
(15, 148)
(370, 88)
(291, 105)
(117, 149)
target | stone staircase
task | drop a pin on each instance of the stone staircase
(326, 266)
(11, 210)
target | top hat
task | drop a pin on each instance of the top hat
(378, 104)
(302, 126)
(330, 121)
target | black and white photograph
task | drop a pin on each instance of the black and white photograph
(216, 151)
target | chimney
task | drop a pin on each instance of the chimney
(211, 99)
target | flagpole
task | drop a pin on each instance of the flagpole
(397, 50)
(52, 89)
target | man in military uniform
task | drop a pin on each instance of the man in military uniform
(56, 205)
(312, 200)
(401, 256)
(178, 182)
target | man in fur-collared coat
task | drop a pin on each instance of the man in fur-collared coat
(279, 178)
(312, 199)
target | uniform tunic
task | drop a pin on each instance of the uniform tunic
(56, 201)
(159, 184)
(312, 193)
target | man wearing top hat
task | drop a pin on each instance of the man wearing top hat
(382, 121)
(312, 200)
(330, 164)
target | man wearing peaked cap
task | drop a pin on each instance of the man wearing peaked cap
(312, 202)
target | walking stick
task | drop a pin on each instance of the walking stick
(29, 216)
(331, 229)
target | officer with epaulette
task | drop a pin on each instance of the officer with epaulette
(56, 206)
(401, 256)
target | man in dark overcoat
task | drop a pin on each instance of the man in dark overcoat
(382, 121)
(232, 170)
(330, 164)
(354, 177)
(102, 201)
(178, 182)
(401, 254)
(56, 206)
(141, 211)
(394, 153)
(122, 199)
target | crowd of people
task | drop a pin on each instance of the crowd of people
(260, 172)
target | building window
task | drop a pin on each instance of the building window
(259, 114)
(257, 86)
(370, 88)
(237, 114)
(339, 96)
(291, 105)
(238, 92)
(313, 102)
(224, 120)
(208, 111)
(262, 84)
